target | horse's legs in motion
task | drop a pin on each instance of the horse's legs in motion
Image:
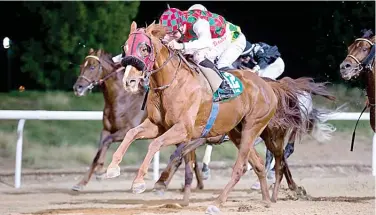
(200, 183)
(274, 142)
(189, 159)
(249, 133)
(175, 162)
(105, 141)
(146, 130)
(115, 137)
(176, 134)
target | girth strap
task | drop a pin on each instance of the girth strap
(213, 116)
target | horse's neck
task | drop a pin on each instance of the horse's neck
(173, 74)
(112, 89)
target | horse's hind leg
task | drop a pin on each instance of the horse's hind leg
(199, 178)
(189, 159)
(175, 161)
(251, 129)
(277, 150)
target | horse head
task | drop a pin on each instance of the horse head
(93, 70)
(361, 55)
(142, 48)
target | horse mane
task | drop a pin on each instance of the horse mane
(156, 30)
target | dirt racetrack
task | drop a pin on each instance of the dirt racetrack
(336, 180)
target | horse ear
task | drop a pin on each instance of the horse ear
(91, 50)
(99, 52)
(133, 26)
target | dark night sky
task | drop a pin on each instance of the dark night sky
(285, 24)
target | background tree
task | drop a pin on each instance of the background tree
(70, 29)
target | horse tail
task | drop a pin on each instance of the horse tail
(289, 114)
(318, 127)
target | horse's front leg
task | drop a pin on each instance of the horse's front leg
(176, 134)
(145, 130)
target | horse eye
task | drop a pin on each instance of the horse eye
(92, 67)
(365, 49)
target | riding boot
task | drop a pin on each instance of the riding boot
(226, 89)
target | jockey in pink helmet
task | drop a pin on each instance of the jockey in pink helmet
(207, 36)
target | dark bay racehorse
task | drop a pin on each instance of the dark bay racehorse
(122, 110)
(179, 106)
(360, 61)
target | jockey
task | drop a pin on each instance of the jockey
(206, 36)
(263, 59)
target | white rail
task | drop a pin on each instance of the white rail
(22, 116)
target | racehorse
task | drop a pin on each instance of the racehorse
(360, 61)
(122, 110)
(178, 107)
(315, 122)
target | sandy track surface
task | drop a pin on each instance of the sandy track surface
(336, 181)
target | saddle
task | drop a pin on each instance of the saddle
(211, 80)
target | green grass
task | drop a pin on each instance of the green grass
(55, 144)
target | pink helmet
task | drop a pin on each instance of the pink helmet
(172, 19)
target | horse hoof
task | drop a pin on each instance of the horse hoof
(267, 204)
(101, 176)
(139, 187)
(200, 187)
(77, 187)
(113, 172)
(212, 210)
(159, 192)
(206, 174)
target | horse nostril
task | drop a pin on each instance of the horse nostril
(78, 87)
(132, 82)
(347, 65)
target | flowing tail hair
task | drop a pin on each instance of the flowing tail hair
(290, 116)
(318, 127)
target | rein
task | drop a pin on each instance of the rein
(147, 74)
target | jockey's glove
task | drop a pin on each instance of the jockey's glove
(256, 68)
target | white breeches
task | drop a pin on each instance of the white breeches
(223, 49)
(274, 70)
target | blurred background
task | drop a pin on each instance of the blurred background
(48, 40)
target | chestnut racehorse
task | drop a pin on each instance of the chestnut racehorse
(122, 111)
(316, 127)
(360, 61)
(178, 108)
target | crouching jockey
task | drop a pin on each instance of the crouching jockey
(207, 37)
(263, 59)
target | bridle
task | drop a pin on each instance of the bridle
(147, 71)
(368, 61)
(93, 83)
